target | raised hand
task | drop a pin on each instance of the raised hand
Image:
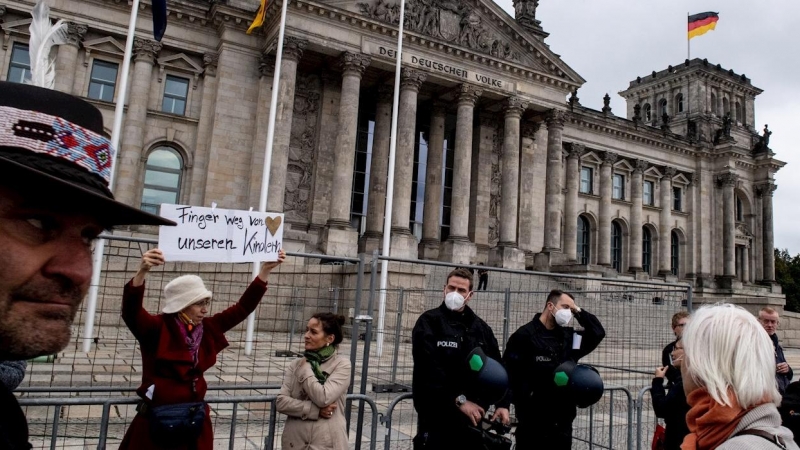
(151, 258)
(267, 266)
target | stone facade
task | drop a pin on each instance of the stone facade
(493, 163)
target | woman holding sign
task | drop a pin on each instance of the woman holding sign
(177, 347)
(314, 389)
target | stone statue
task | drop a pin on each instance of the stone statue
(574, 100)
(726, 125)
(606, 104)
(767, 134)
(637, 113)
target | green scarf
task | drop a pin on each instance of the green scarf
(317, 357)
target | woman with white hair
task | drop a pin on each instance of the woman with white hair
(728, 375)
(177, 347)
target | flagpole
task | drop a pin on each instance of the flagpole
(387, 217)
(97, 256)
(688, 38)
(262, 204)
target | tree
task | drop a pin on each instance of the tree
(787, 274)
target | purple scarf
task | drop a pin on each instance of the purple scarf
(192, 338)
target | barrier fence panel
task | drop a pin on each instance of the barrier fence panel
(240, 421)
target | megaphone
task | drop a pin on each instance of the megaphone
(490, 376)
(582, 382)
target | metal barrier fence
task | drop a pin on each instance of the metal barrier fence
(254, 406)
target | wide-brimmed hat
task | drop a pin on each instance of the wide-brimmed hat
(52, 146)
(184, 291)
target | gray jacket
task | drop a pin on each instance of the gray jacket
(765, 418)
(12, 373)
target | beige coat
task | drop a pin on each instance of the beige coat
(301, 398)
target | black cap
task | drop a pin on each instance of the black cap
(52, 144)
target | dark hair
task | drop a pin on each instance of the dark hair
(555, 295)
(331, 324)
(460, 272)
(678, 316)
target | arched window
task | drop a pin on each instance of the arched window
(739, 210)
(679, 103)
(662, 108)
(616, 246)
(726, 106)
(583, 240)
(738, 110)
(675, 254)
(648, 112)
(647, 249)
(162, 178)
(713, 108)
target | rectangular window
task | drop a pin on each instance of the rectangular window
(103, 80)
(677, 199)
(19, 69)
(618, 187)
(586, 180)
(176, 90)
(448, 156)
(647, 193)
(359, 195)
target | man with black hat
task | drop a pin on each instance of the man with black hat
(55, 167)
(448, 400)
(531, 356)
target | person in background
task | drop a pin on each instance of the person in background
(679, 320)
(671, 405)
(177, 347)
(483, 278)
(770, 320)
(728, 373)
(12, 373)
(314, 389)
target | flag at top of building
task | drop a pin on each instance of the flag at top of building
(701, 23)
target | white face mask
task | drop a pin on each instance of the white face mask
(563, 316)
(454, 301)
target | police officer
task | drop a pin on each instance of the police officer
(532, 354)
(446, 399)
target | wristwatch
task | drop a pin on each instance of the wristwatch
(460, 400)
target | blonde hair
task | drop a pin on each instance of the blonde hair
(726, 349)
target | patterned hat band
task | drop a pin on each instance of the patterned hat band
(58, 138)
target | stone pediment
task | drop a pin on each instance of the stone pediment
(14, 27)
(480, 26)
(106, 46)
(179, 63)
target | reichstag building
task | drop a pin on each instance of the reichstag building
(497, 160)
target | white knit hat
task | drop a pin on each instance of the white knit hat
(184, 291)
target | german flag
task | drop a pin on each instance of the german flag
(701, 23)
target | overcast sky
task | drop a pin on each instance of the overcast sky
(611, 42)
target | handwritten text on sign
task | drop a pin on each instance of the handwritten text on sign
(220, 235)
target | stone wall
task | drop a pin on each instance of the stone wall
(789, 329)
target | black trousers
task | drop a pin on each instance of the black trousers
(547, 428)
(484, 280)
(450, 439)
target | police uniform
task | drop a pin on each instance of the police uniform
(531, 356)
(441, 341)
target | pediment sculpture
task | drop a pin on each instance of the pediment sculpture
(449, 20)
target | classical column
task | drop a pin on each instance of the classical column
(199, 173)
(339, 238)
(767, 234)
(604, 225)
(727, 181)
(506, 254)
(458, 248)
(571, 202)
(481, 183)
(664, 225)
(266, 70)
(526, 187)
(404, 244)
(68, 56)
(745, 264)
(690, 257)
(127, 185)
(378, 171)
(635, 245)
(432, 209)
(552, 225)
(292, 52)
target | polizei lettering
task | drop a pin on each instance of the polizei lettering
(255, 244)
(451, 344)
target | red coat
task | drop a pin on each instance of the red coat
(167, 363)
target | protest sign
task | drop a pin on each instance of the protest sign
(220, 235)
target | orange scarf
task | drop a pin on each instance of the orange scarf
(710, 424)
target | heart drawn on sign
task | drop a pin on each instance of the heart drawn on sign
(273, 224)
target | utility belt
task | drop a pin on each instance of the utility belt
(174, 423)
